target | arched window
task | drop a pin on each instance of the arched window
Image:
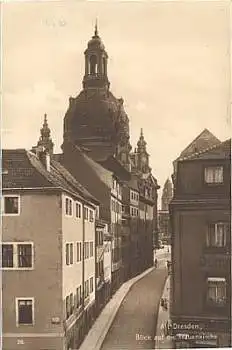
(104, 65)
(93, 64)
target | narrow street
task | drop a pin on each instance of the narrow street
(135, 323)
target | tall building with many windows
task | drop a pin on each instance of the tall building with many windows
(201, 245)
(48, 254)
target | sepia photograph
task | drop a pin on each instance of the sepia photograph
(116, 174)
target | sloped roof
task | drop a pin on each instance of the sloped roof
(204, 140)
(218, 151)
(116, 167)
(18, 171)
(24, 170)
(101, 172)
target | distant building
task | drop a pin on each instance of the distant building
(48, 255)
(164, 222)
(201, 244)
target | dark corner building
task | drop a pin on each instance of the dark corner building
(163, 216)
(98, 125)
(201, 244)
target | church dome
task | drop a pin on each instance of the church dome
(96, 118)
(96, 43)
(95, 114)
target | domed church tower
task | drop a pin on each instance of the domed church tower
(96, 119)
(96, 64)
(45, 137)
(142, 155)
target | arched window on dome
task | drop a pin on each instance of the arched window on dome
(93, 64)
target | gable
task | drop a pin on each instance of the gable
(203, 141)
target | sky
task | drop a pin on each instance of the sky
(170, 61)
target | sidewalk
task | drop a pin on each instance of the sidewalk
(101, 326)
(161, 340)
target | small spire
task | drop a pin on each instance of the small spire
(45, 131)
(45, 139)
(141, 143)
(96, 28)
(45, 119)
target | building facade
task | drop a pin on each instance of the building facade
(201, 245)
(48, 257)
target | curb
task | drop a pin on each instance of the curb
(159, 311)
(124, 289)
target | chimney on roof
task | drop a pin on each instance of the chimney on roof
(44, 156)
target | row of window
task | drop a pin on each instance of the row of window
(20, 254)
(88, 250)
(88, 287)
(11, 206)
(73, 301)
(116, 206)
(17, 255)
(69, 252)
(11, 203)
(69, 204)
(216, 296)
(134, 196)
(134, 211)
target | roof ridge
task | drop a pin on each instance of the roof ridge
(47, 175)
(198, 137)
(58, 181)
(203, 150)
(89, 159)
(76, 184)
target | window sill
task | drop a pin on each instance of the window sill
(213, 184)
(12, 214)
(219, 250)
(17, 268)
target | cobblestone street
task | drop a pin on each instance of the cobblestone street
(135, 323)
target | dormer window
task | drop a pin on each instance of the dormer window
(214, 175)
